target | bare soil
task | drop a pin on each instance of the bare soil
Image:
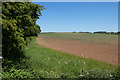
(103, 52)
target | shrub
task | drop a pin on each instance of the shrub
(19, 23)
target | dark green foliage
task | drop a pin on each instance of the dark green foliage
(111, 33)
(84, 32)
(19, 23)
(116, 74)
(17, 70)
(118, 33)
(102, 32)
(74, 32)
(18, 26)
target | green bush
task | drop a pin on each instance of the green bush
(14, 73)
(18, 26)
(19, 23)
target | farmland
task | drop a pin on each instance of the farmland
(28, 54)
(96, 46)
(53, 63)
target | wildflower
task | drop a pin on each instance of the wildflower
(81, 75)
(111, 75)
(65, 62)
(83, 62)
(0, 57)
(48, 58)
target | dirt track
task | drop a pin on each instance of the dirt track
(107, 53)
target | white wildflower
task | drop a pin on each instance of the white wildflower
(0, 57)
(65, 62)
(84, 63)
(81, 75)
(111, 75)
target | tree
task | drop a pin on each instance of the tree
(18, 24)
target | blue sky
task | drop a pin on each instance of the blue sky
(78, 16)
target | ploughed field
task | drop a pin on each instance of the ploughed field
(103, 47)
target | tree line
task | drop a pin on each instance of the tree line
(99, 32)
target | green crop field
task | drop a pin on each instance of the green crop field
(85, 37)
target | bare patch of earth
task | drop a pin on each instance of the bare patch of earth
(102, 52)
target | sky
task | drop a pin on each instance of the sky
(78, 16)
(75, 0)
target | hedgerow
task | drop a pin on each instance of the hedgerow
(18, 26)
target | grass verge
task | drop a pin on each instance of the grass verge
(50, 63)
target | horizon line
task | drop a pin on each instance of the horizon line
(76, 31)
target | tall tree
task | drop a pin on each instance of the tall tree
(18, 24)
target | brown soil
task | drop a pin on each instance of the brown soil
(103, 52)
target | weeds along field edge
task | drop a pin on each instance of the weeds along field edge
(52, 63)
